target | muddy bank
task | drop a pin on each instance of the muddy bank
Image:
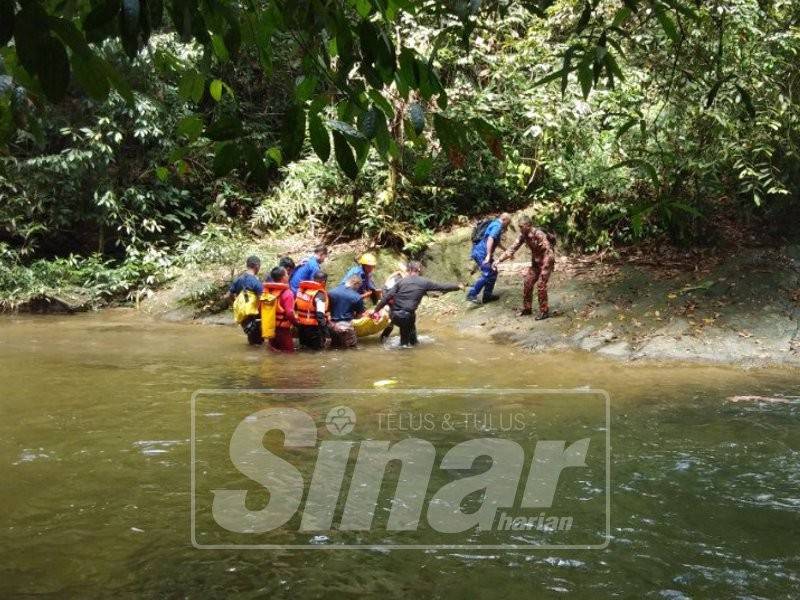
(741, 308)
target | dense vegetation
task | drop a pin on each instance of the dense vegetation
(128, 136)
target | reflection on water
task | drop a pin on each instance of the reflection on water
(94, 457)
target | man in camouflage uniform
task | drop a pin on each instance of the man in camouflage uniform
(543, 259)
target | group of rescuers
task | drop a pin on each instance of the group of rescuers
(322, 317)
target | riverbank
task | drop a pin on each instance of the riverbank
(738, 306)
(704, 305)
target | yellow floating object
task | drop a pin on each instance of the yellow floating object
(365, 326)
(384, 382)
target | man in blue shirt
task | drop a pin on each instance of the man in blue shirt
(249, 281)
(482, 254)
(309, 267)
(346, 304)
(364, 269)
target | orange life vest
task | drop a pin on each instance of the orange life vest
(278, 289)
(305, 308)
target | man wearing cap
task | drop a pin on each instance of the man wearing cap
(364, 269)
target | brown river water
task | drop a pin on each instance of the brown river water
(95, 463)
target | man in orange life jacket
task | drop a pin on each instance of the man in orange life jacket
(311, 310)
(285, 317)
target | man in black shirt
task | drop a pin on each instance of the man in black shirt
(405, 298)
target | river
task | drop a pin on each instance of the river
(95, 464)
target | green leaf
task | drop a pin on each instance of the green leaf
(452, 138)
(381, 102)
(275, 155)
(99, 22)
(621, 16)
(6, 21)
(220, 50)
(368, 122)
(129, 18)
(344, 155)
(346, 130)
(627, 126)
(117, 81)
(489, 134)
(666, 22)
(682, 8)
(688, 209)
(422, 169)
(191, 127)
(363, 7)
(29, 35)
(90, 76)
(416, 113)
(177, 154)
(636, 163)
(191, 86)
(70, 35)
(215, 89)
(320, 139)
(585, 78)
(53, 68)
(613, 67)
(712, 93)
(382, 137)
(226, 158)
(162, 173)
(304, 88)
(550, 77)
(583, 21)
(293, 133)
(747, 101)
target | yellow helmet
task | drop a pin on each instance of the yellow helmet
(368, 259)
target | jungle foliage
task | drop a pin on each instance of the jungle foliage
(129, 126)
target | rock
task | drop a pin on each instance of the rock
(616, 350)
(674, 328)
(225, 318)
(66, 302)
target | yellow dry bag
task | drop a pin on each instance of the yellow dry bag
(269, 313)
(245, 305)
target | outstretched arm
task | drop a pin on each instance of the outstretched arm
(513, 250)
(385, 299)
(443, 287)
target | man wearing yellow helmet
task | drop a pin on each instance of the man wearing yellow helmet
(364, 268)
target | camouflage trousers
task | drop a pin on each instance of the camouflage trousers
(539, 271)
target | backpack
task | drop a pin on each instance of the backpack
(245, 305)
(480, 230)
